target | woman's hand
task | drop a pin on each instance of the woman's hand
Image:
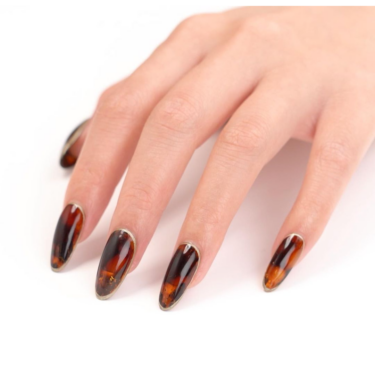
(269, 74)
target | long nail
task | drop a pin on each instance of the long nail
(66, 236)
(283, 261)
(116, 260)
(67, 159)
(180, 272)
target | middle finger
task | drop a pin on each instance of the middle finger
(201, 102)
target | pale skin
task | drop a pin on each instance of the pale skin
(270, 74)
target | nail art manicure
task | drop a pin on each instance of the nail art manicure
(283, 261)
(67, 159)
(115, 263)
(66, 236)
(180, 272)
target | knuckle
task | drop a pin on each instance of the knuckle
(263, 27)
(194, 24)
(334, 157)
(119, 103)
(140, 196)
(176, 115)
(90, 175)
(248, 138)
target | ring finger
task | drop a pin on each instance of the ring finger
(255, 133)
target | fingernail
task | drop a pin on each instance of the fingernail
(180, 272)
(283, 261)
(67, 159)
(115, 263)
(66, 236)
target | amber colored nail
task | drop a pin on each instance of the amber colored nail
(283, 261)
(180, 272)
(115, 263)
(66, 235)
(67, 159)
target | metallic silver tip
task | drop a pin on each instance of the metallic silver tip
(267, 290)
(103, 298)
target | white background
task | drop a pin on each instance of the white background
(54, 62)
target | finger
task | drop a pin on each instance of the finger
(344, 133)
(73, 145)
(200, 103)
(117, 123)
(258, 129)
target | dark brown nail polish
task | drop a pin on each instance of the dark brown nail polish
(67, 159)
(180, 272)
(115, 263)
(283, 261)
(66, 236)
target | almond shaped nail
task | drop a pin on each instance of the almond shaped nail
(180, 272)
(115, 262)
(66, 235)
(283, 261)
(67, 159)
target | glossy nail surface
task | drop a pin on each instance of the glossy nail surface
(283, 261)
(67, 159)
(180, 272)
(114, 263)
(66, 235)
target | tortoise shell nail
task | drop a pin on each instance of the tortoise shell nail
(67, 158)
(283, 261)
(114, 263)
(180, 272)
(66, 235)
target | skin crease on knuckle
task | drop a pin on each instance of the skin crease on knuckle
(334, 158)
(140, 197)
(281, 38)
(118, 102)
(244, 143)
(176, 117)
